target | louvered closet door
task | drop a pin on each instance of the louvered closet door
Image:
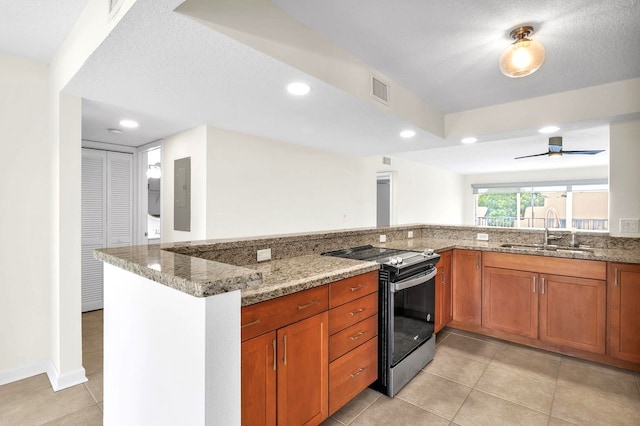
(119, 199)
(94, 230)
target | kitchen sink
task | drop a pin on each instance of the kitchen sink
(549, 247)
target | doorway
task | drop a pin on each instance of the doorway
(383, 199)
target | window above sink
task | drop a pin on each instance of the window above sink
(581, 205)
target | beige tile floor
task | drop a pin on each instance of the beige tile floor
(473, 380)
(477, 380)
(32, 402)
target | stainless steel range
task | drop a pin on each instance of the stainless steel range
(406, 311)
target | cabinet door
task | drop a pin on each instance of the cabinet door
(573, 312)
(467, 289)
(443, 292)
(303, 362)
(624, 315)
(258, 380)
(510, 301)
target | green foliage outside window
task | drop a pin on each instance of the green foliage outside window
(505, 204)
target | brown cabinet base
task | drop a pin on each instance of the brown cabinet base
(352, 373)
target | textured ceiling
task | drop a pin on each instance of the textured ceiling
(172, 73)
(447, 51)
(35, 28)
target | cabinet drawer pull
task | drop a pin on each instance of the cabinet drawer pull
(250, 323)
(477, 261)
(357, 287)
(534, 283)
(275, 356)
(542, 285)
(360, 371)
(313, 302)
(284, 360)
(442, 276)
(356, 312)
(615, 277)
(357, 335)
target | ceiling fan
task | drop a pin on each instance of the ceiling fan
(555, 150)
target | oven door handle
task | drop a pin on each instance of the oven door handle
(412, 282)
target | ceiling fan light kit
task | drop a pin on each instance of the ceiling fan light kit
(524, 56)
(555, 150)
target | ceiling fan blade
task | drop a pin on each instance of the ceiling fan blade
(584, 152)
(534, 155)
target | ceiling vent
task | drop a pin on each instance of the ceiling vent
(379, 90)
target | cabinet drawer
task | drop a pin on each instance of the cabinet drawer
(272, 314)
(352, 373)
(349, 289)
(350, 313)
(352, 337)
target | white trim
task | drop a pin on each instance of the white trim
(104, 146)
(10, 376)
(59, 382)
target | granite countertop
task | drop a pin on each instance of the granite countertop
(258, 282)
(440, 245)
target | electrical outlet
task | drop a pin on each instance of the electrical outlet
(263, 255)
(410, 234)
(383, 238)
(629, 226)
(482, 236)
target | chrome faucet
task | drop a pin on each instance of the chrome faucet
(548, 237)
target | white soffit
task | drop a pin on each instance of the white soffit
(170, 67)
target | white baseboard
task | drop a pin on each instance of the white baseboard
(27, 371)
(58, 382)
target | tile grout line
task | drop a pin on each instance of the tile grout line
(360, 413)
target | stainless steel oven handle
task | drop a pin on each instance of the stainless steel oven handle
(412, 282)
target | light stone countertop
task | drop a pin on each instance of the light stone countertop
(258, 282)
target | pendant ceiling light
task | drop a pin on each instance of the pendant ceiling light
(524, 56)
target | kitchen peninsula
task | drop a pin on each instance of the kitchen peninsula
(172, 312)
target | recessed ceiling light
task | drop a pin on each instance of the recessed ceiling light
(406, 134)
(298, 88)
(129, 124)
(549, 129)
(469, 140)
(115, 131)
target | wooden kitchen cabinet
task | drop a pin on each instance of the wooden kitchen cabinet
(444, 295)
(531, 296)
(573, 312)
(467, 287)
(623, 328)
(353, 342)
(258, 380)
(284, 375)
(303, 378)
(510, 301)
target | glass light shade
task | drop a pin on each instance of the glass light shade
(522, 58)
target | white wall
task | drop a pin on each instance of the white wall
(191, 143)
(524, 176)
(624, 175)
(258, 186)
(423, 194)
(25, 253)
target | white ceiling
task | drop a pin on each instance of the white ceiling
(172, 73)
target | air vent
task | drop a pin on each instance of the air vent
(379, 90)
(386, 160)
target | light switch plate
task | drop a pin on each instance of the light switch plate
(263, 255)
(383, 238)
(410, 234)
(480, 236)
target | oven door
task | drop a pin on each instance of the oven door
(413, 313)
